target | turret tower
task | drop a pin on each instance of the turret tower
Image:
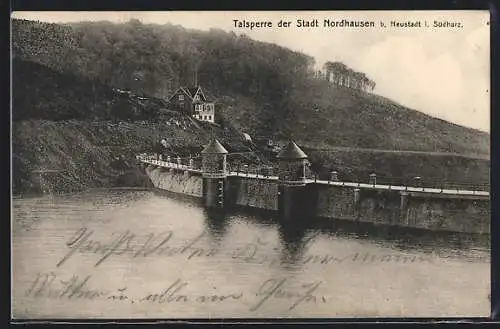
(214, 169)
(292, 181)
(292, 165)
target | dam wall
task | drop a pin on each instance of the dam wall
(448, 213)
(430, 211)
(291, 194)
(335, 202)
(253, 192)
(177, 181)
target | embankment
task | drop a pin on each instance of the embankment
(64, 156)
(399, 167)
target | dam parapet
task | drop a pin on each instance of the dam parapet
(296, 197)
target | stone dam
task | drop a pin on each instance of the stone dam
(296, 198)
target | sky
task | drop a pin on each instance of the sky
(441, 71)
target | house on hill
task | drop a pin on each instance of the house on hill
(192, 101)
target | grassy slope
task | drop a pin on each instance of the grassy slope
(401, 167)
(96, 154)
(327, 117)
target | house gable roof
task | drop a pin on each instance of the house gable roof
(201, 93)
(184, 91)
(190, 92)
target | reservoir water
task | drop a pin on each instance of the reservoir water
(122, 253)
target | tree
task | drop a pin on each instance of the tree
(339, 74)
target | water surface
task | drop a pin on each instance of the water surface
(144, 253)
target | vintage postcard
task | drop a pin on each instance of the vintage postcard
(293, 164)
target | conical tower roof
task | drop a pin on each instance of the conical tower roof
(291, 152)
(214, 147)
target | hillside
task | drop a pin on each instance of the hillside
(88, 134)
(40, 92)
(87, 154)
(263, 89)
(69, 106)
(342, 117)
(99, 152)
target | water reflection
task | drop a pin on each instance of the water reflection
(408, 239)
(294, 239)
(297, 235)
(216, 224)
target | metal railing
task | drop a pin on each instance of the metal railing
(167, 164)
(417, 184)
(407, 188)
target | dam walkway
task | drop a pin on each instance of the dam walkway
(410, 189)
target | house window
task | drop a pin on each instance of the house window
(181, 97)
(210, 117)
(196, 97)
